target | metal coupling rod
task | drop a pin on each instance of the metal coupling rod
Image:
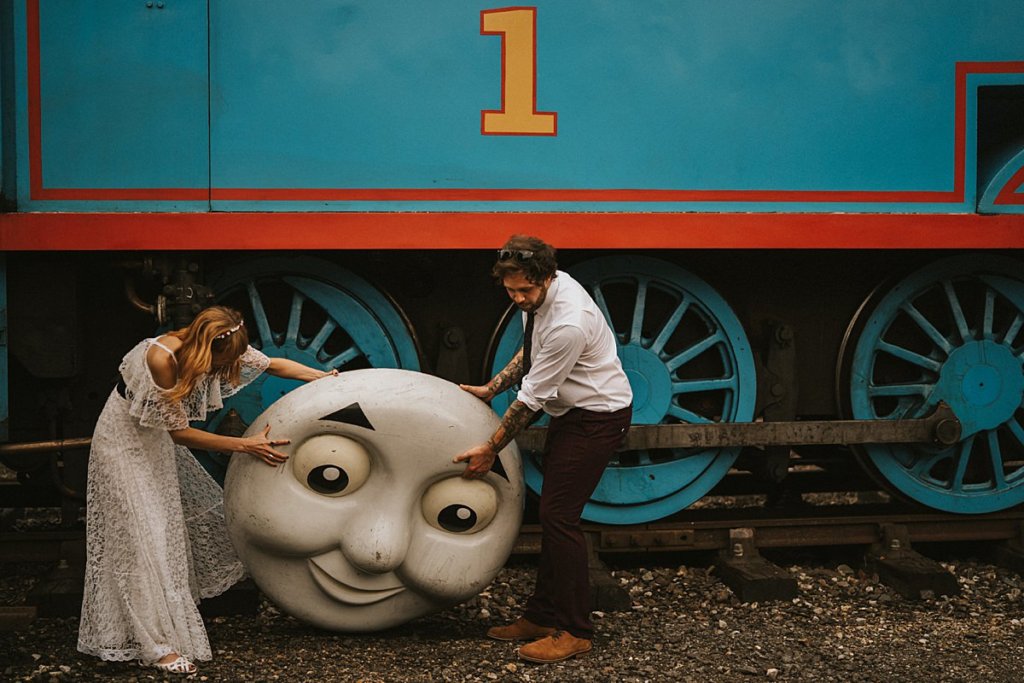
(942, 427)
(45, 446)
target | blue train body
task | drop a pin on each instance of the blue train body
(397, 140)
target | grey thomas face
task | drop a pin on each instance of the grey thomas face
(369, 523)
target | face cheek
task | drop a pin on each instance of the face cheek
(268, 509)
(449, 567)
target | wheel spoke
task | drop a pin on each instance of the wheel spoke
(933, 333)
(989, 314)
(996, 454)
(345, 356)
(317, 343)
(963, 456)
(687, 415)
(636, 330)
(696, 385)
(673, 364)
(1016, 430)
(910, 356)
(1011, 332)
(294, 315)
(899, 390)
(603, 305)
(957, 310)
(920, 467)
(262, 324)
(670, 325)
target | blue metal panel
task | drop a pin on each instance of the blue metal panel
(4, 410)
(7, 102)
(123, 97)
(789, 96)
(771, 96)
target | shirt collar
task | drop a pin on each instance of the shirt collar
(543, 309)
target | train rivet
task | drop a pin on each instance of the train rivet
(149, 5)
(895, 544)
(737, 550)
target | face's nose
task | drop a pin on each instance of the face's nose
(377, 543)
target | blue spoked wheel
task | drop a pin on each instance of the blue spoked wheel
(948, 332)
(687, 359)
(313, 312)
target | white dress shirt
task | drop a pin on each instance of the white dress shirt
(575, 357)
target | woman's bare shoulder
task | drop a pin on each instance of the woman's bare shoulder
(163, 365)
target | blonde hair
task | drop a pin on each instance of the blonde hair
(213, 342)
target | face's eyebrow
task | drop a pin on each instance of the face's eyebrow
(351, 414)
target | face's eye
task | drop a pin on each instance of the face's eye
(331, 465)
(460, 506)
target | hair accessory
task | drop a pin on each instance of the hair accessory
(225, 335)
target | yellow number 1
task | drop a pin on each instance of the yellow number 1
(518, 115)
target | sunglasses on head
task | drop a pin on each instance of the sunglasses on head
(517, 254)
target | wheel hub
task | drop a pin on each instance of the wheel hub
(650, 382)
(982, 381)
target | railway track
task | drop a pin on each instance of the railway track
(888, 534)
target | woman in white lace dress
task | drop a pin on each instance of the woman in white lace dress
(156, 538)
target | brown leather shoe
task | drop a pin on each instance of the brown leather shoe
(559, 646)
(521, 629)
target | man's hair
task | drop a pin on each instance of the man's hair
(528, 255)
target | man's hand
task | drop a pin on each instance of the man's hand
(483, 393)
(480, 460)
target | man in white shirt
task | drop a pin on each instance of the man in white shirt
(568, 368)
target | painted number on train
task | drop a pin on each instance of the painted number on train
(518, 115)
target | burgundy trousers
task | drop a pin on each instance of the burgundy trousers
(578, 447)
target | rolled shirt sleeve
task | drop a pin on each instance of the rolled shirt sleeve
(554, 359)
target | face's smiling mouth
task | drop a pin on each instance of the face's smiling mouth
(329, 569)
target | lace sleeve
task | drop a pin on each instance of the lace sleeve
(254, 363)
(147, 402)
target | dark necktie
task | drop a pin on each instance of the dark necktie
(527, 343)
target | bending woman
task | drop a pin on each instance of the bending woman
(156, 539)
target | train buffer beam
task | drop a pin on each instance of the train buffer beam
(910, 574)
(751, 577)
(941, 427)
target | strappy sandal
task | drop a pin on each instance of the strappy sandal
(181, 665)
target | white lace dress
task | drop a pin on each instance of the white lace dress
(155, 533)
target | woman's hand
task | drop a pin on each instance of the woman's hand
(262, 446)
(289, 369)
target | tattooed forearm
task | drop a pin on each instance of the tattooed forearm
(511, 374)
(515, 420)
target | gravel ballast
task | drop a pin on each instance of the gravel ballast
(684, 625)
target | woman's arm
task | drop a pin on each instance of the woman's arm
(289, 369)
(260, 445)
